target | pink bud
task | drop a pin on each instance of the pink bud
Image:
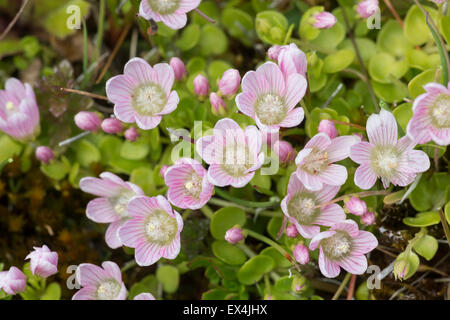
(292, 60)
(44, 154)
(356, 206)
(292, 231)
(88, 121)
(43, 262)
(328, 127)
(285, 151)
(273, 52)
(131, 134)
(367, 8)
(178, 67)
(301, 254)
(163, 170)
(144, 296)
(368, 218)
(230, 82)
(201, 86)
(112, 125)
(234, 235)
(324, 20)
(13, 281)
(217, 103)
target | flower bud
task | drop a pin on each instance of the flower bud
(112, 126)
(401, 267)
(131, 134)
(292, 231)
(273, 52)
(299, 283)
(301, 254)
(201, 86)
(328, 127)
(368, 218)
(234, 235)
(178, 67)
(88, 121)
(356, 206)
(43, 262)
(230, 82)
(44, 154)
(285, 151)
(292, 60)
(217, 104)
(324, 20)
(367, 8)
(13, 281)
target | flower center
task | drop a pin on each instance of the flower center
(270, 109)
(301, 207)
(161, 227)
(236, 160)
(120, 203)
(149, 99)
(315, 162)
(440, 111)
(108, 290)
(193, 185)
(385, 160)
(164, 6)
(337, 246)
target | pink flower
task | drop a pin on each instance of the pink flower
(44, 154)
(143, 93)
(270, 99)
(178, 68)
(88, 121)
(291, 231)
(19, 113)
(368, 218)
(343, 245)
(131, 134)
(315, 165)
(217, 104)
(356, 206)
(367, 8)
(230, 82)
(97, 283)
(201, 86)
(234, 235)
(324, 20)
(431, 119)
(233, 154)
(144, 296)
(383, 156)
(301, 254)
(13, 281)
(328, 127)
(274, 52)
(285, 151)
(299, 206)
(112, 126)
(153, 230)
(112, 205)
(171, 12)
(188, 184)
(292, 60)
(43, 262)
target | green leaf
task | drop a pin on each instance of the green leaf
(427, 195)
(143, 177)
(413, 263)
(403, 113)
(415, 86)
(216, 69)
(213, 41)
(214, 294)
(415, 27)
(189, 38)
(390, 92)
(52, 292)
(228, 253)
(392, 40)
(239, 24)
(280, 260)
(338, 61)
(445, 27)
(225, 219)
(149, 284)
(169, 277)
(271, 27)
(426, 247)
(137, 150)
(306, 30)
(87, 153)
(423, 219)
(330, 38)
(379, 71)
(9, 148)
(56, 169)
(254, 269)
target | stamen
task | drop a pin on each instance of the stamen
(161, 227)
(270, 109)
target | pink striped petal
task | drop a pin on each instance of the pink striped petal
(88, 274)
(99, 187)
(320, 141)
(139, 70)
(245, 102)
(174, 20)
(355, 264)
(119, 89)
(339, 149)
(330, 215)
(165, 76)
(334, 175)
(172, 103)
(255, 83)
(349, 226)
(147, 254)
(382, 129)
(363, 243)
(86, 293)
(124, 111)
(329, 269)
(365, 178)
(360, 152)
(112, 270)
(112, 234)
(295, 89)
(272, 73)
(132, 232)
(101, 210)
(147, 122)
(293, 118)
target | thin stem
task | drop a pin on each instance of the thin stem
(84, 93)
(101, 23)
(393, 11)
(127, 266)
(73, 139)
(207, 211)
(342, 286)
(273, 244)
(204, 16)
(356, 194)
(445, 225)
(13, 22)
(349, 124)
(246, 203)
(351, 287)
